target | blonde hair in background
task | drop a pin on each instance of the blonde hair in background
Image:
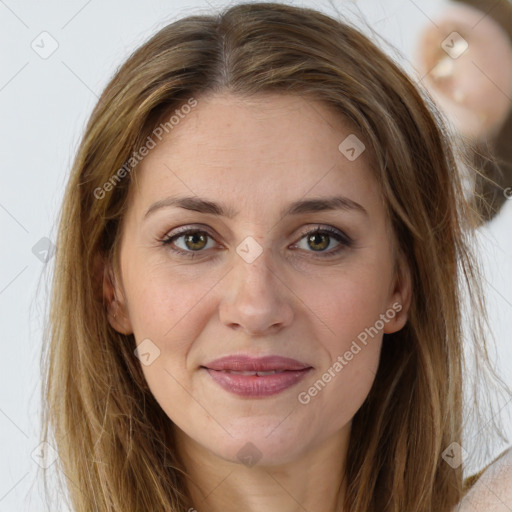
(115, 449)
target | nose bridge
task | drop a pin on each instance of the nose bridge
(254, 265)
(257, 300)
(254, 274)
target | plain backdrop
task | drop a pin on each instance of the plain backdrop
(44, 104)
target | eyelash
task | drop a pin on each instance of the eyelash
(344, 241)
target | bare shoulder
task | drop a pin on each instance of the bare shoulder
(492, 492)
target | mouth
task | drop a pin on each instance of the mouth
(256, 377)
(249, 372)
(256, 365)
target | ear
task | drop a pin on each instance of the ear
(113, 296)
(401, 295)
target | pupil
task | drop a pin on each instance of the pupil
(312, 238)
(192, 238)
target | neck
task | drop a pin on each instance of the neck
(312, 482)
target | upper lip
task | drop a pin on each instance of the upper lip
(256, 364)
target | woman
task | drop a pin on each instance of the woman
(256, 302)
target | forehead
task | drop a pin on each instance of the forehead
(276, 146)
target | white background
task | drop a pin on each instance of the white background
(44, 104)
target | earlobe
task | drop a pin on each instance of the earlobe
(400, 302)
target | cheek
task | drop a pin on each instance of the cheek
(350, 337)
(351, 308)
(351, 316)
(348, 302)
(172, 313)
(351, 378)
(165, 303)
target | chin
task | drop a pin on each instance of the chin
(260, 451)
(257, 441)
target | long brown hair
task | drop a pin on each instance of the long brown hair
(115, 449)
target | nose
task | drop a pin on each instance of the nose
(255, 298)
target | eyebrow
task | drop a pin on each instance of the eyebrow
(198, 204)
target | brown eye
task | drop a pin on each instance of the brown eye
(195, 241)
(318, 241)
(188, 242)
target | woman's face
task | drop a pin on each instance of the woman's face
(254, 280)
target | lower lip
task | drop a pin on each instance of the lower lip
(254, 385)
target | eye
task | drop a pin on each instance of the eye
(188, 241)
(320, 239)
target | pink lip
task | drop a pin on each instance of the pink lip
(256, 364)
(290, 373)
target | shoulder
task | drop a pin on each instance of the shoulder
(491, 489)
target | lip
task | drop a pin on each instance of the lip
(288, 373)
(243, 362)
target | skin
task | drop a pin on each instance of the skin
(475, 88)
(492, 492)
(256, 156)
